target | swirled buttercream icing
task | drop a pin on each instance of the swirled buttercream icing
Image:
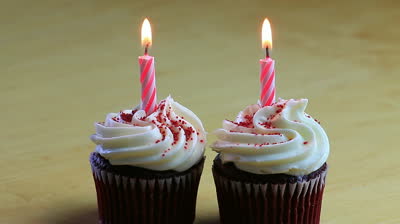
(280, 138)
(171, 138)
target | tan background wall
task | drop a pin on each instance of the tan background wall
(66, 64)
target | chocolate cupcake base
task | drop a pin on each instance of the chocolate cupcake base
(128, 194)
(269, 199)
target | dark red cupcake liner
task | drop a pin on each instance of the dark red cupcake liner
(242, 202)
(161, 200)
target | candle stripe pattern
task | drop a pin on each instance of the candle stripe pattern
(148, 81)
(267, 80)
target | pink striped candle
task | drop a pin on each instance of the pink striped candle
(148, 81)
(267, 71)
(147, 72)
(267, 80)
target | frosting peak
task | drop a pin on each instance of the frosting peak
(280, 138)
(171, 138)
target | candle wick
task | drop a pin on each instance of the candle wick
(267, 52)
(146, 49)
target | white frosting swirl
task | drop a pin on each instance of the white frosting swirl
(171, 138)
(280, 138)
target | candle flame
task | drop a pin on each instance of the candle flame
(266, 36)
(146, 33)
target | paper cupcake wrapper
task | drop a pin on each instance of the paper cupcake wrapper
(290, 203)
(124, 200)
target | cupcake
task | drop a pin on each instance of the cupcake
(147, 169)
(271, 165)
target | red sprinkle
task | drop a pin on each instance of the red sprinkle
(126, 117)
(276, 133)
(188, 132)
(267, 125)
(305, 143)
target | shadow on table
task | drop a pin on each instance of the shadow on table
(74, 216)
(89, 216)
(207, 220)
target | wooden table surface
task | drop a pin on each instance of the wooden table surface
(66, 64)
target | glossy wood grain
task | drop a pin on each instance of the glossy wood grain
(66, 64)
